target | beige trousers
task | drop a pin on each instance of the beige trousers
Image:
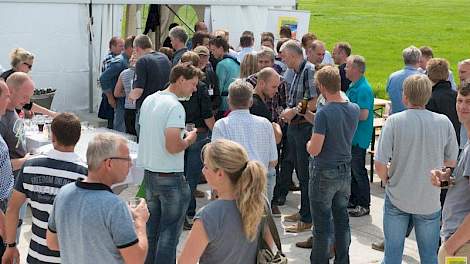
(464, 251)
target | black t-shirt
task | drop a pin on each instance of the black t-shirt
(259, 108)
(152, 72)
(198, 107)
(7, 74)
(345, 82)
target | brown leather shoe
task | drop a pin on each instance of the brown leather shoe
(275, 211)
(199, 194)
(295, 217)
(298, 227)
(305, 244)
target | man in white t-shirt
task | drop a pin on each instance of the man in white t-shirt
(161, 153)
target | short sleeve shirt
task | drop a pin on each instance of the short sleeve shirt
(12, 131)
(152, 72)
(409, 134)
(91, 223)
(199, 106)
(260, 108)
(361, 93)
(302, 85)
(227, 242)
(337, 122)
(457, 205)
(160, 111)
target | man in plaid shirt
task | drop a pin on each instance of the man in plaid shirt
(300, 129)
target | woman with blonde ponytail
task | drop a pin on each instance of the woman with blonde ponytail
(226, 230)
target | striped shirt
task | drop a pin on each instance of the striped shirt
(127, 78)
(40, 180)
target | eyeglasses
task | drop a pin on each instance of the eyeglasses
(29, 65)
(128, 159)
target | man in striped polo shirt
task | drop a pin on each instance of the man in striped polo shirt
(38, 182)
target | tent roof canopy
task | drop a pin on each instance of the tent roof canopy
(170, 2)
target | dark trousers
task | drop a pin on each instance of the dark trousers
(129, 119)
(360, 188)
(297, 136)
(286, 167)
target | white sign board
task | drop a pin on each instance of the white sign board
(298, 21)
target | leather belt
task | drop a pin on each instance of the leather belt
(165, 174)
(298, 122)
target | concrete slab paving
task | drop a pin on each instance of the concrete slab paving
(364, 231)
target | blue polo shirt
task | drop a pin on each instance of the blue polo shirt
(395, 87)
(361, 93)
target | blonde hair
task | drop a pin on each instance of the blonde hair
(438, 69)
(248, 178)
(417, 89)
(20, 55)
(328, 76)
(190, 56)
(249, 65)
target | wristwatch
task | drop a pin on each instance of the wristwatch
(10, 245)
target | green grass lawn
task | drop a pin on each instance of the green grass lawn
(380, 29)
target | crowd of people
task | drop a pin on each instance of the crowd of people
(242, 121)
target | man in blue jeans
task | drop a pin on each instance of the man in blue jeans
(161, 154)
(330, 170)
(415, 141)
(302, 89)
(360, 92)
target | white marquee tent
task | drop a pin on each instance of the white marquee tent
(58, 33)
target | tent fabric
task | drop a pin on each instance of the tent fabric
(57, 32)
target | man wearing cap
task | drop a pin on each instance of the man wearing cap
(210, 77)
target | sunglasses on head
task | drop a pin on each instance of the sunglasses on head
(29, 65)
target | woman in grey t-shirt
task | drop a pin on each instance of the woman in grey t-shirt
(226, 230)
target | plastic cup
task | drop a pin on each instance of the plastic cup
(190, 127)
(134, 202)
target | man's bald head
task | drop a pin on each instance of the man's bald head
(21, 88)
(464, 71)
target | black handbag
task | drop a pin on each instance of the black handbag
(265, 255)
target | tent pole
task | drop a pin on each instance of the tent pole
(90, 59)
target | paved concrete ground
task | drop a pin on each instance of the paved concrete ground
(364, 230)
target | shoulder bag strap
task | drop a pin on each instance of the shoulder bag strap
(273, 228)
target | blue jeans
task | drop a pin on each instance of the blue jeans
(193, 168)
(297, 136)
(167, 201)
(271, 182)
(395, 223)
(329, 196)
(360, 189)
(119, 123)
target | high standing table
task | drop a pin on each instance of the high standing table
(37, 142)
(379, 106)
(378, 123)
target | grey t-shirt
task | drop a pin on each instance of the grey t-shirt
(337, 122)
(227, 242)
(91, 223)
(11, 127)
(416, 141)
(457, 205)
